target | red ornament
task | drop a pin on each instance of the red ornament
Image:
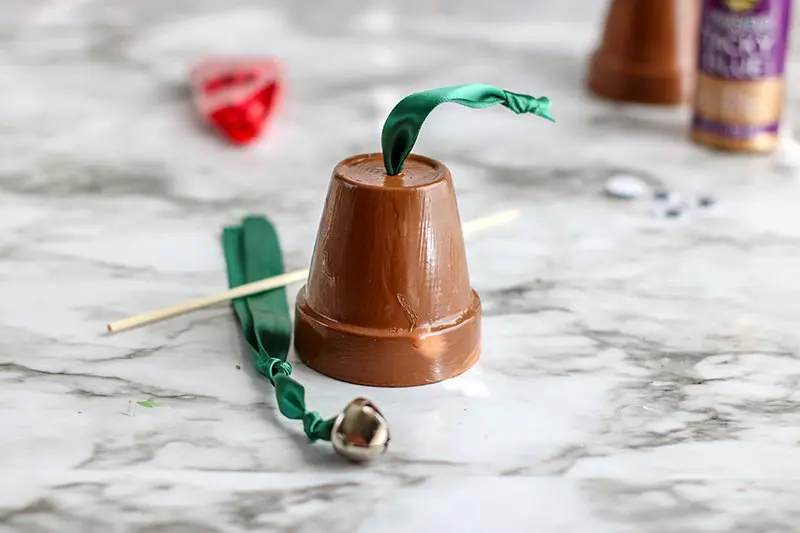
(237, 96)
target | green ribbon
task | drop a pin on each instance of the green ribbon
(253, 252)
(401, 129)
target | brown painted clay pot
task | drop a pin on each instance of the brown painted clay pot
(388, 300)
(648, 52)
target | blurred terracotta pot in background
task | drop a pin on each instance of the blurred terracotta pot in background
(648, 52)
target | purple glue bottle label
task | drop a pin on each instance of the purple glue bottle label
(740, 88)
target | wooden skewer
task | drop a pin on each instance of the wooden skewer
(274, 282)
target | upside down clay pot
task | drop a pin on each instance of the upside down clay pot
(388, 300)
(648, 52)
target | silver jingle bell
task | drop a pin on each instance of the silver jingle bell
(360, 432)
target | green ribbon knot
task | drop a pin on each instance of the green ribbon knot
(272, 367)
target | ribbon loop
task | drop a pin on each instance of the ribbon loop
(402, 126)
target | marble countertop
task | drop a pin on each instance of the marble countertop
(639, 374)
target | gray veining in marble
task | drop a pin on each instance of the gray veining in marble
(639, 375)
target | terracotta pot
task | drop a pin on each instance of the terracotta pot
(648, 52)
(388, 300)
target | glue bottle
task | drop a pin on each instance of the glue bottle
(739, 97)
